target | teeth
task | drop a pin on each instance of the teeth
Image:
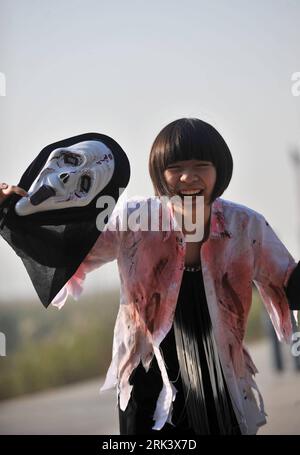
(190, 193)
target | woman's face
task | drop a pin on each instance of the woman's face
(191, 177)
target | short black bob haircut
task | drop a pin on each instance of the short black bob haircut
(189, 139)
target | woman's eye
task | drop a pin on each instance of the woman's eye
(85, 183)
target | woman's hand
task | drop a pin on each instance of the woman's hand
(7, 190)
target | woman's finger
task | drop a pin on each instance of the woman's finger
(20, 191)
(7, 190)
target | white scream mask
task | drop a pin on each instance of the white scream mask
(71, 177)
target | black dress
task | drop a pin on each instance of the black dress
(202, 404)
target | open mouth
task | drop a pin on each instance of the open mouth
(42, 194)
(191, 193)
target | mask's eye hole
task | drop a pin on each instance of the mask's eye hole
(69, 158)
(85, 183)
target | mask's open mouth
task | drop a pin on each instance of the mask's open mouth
(42, 194)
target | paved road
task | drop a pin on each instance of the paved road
(80, 409)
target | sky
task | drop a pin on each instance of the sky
(126, 69)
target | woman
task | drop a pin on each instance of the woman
(179, 362)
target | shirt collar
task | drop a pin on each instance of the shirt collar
(217, 221)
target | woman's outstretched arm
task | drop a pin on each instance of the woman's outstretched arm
(106, 249)
(274, 266)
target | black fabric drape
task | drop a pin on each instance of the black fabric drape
(293, 289)
(53, 244)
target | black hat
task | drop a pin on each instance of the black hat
(52, 244)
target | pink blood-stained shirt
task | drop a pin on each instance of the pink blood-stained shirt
(241, 249)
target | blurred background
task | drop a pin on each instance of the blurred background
(126, 69)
